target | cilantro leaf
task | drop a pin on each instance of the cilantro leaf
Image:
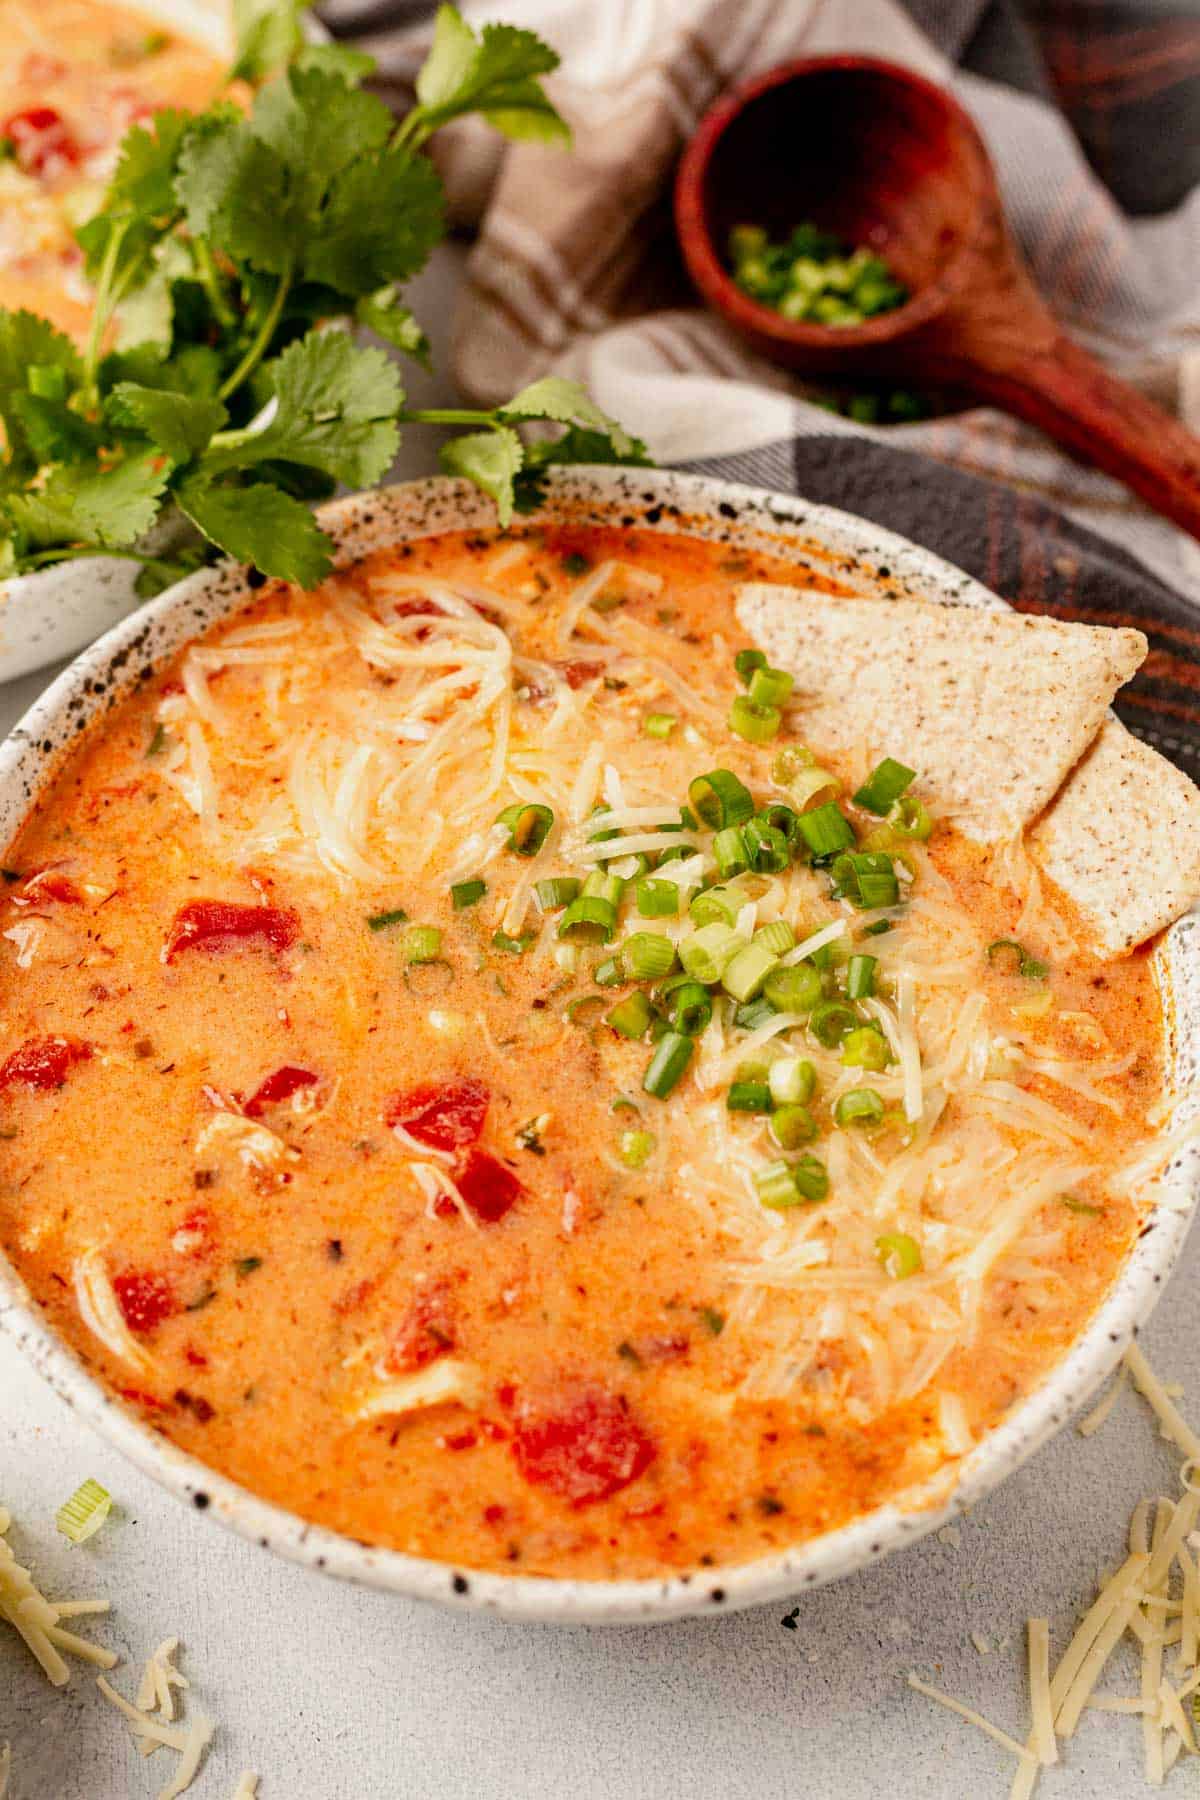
(351, 66)
(315, 124)
(494, 74)
(25, 341)
(567, 403)
(259, 525)
(335, 407)
(491, 459)
(196, 369)
(267, 33)
(574, 446)
(180, 424)
(382, 217)
(383, 314)
(110, 507)
(236, 192)
(144, 178)
(52, 431)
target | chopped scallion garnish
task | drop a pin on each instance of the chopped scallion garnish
(860, 977)
(714, 906)
(861, 1106)
(689, 1008)
(899, 1254)
(589, 920)
(668, 1065)
(528, 825)
(832, 1021)
(602, 886)
(749, 1097)
(792, 1126)
(502, 940)
(556, 890)
(659, 725)
(719, 799)
(746, 971)
(826, 830)
(770, 687)
(793, 990)
(884, 786)
(731, 852)
(656, 899)
(422, 944)
(631, 1016)
(647, 956)
(609, 973)
(776, 936)
(381, 921)
(746, 663)
(705, 954)
(467, 893)
(635, 1148)
(792, 1080)
(909, 818)
(755, 723)
(1025, 965)
(865, 1048)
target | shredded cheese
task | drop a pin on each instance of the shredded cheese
(447, 1382)
(100, 1312)
(36, 1619)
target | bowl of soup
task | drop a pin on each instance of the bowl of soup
(600, 1071)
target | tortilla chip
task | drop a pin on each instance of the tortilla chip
(1122, 840)
(992, 708)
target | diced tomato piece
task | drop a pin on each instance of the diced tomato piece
(196, 1357)
(41, 141)
(145, 1299)
(459, 1440)
(219, 924)
(137, 1397)
(277, 1088)
(43, 1062)
(47, 884)
(586, 1451)
(196, 1234)
(425, 1332)
(576, 673)
(446, 1115)
(488, 1186)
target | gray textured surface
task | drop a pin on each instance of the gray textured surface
(332, 1692)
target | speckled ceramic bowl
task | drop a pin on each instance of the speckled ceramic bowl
(865, 556)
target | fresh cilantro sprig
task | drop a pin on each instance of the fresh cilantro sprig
(233, 258)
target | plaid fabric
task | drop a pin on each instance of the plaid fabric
(1091, 111)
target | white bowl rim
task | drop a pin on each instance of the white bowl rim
(655, 499)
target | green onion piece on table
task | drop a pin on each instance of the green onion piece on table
(731, 851)
(81, 1517)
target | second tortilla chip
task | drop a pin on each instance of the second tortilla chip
(992, 708)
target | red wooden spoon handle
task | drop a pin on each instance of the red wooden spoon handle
(1068, 394)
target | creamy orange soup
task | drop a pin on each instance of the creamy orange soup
(74, 76)
(325, 1131)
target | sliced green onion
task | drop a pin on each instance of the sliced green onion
(878, 928)
(1083, 1207)
(756, 724)
(668, 1065)
(826, 830)
(421, 944)
(689, 1008)
(865, 1048)
(1026, 965)
(909, 818)
(659, 725)
(501, 940)
(381, 921)
(467, 893)
(647, 956)
(657, 899)
(770, 687)
(631, 1016)
(767, 848)
(861, 1106)
(731, 851)
(609, 973)
(635, 1148)
(792, 1126)
(749, 1097)
(776, 936)
(866, 877)
(775, 1186)
(780, 817)
(884, 785)
(747, 662)
(720, 799)
(602, 886)
(810, 783)
(81, 1517)
(792, 1080)
(746, 971)
(832, 1021)
(790, 762)
(528, 826)
(885, 837)
(583, 1004)
(714, 906)
(589, 920)
(793, 990)
(555, 891)
(899, 1254)
(811, 1178)
(705, 954)
(860, 977)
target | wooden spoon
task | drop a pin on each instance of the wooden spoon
(884, 158)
